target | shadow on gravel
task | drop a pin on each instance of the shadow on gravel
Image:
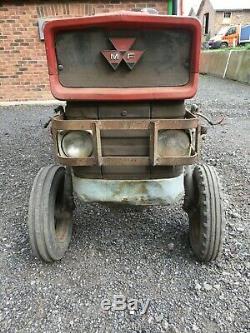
(148, 232)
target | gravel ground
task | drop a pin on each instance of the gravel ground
(142, 254)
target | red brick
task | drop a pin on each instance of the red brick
(23, 66)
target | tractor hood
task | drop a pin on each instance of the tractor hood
(123, 56)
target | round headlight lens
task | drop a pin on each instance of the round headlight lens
(77, 144)
(173, 143)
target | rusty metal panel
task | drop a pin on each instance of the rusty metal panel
(91, 172)
(123, 146)
(75, 111)
(135, 192)
(170, 110)
(155, 110)
(81, 63)
(124, 110)
(129, 134)
(126, 172)
(160, 172)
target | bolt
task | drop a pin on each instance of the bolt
(194, 108)
(124, 113)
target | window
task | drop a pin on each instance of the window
(227, 15)
(206, 23)
(231, 31)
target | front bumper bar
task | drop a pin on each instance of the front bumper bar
(153, 125)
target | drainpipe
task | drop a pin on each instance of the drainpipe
(170, 7)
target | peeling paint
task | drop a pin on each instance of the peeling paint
(133, 192)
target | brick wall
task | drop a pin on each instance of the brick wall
(23, 67)
(237, 17)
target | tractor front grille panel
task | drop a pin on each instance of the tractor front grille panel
(125, 143)
(166, 59)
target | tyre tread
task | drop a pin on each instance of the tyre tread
(211, 213)
(38, 212)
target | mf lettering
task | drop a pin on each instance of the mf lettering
(117, 55)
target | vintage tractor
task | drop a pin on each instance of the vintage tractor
(124, 135)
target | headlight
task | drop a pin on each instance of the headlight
(173, 143)
(77, 144)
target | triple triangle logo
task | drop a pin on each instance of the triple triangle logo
(122, 52)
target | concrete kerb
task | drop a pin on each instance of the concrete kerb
(230, 64)
(239, 66)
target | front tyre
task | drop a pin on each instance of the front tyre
(223, 45)
(50, 214)
(206, 216)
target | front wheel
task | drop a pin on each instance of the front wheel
(206, 215)
(50, 213)
(223, 45)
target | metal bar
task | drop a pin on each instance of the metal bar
(177, 160)
(151, 143)
(197, 139)
(98, 142)
(86, 161)
(177, 123)
(128, 160)
(126, 124)
(70, 125)
(93, 127)
(134, 124)
(155, 141)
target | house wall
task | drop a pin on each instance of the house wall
(207, 8)
(23, 66)
(216, 19)
(237, 17)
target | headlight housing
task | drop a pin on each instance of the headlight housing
(173, 143)
(76, 144)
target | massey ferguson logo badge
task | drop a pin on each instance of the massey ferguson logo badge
(122, 52)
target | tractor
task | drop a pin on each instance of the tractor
(124, 135)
